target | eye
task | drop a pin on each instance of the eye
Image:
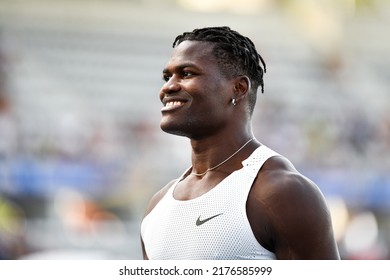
(166, 77)
(187, 74)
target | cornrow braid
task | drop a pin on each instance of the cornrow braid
(235, 52)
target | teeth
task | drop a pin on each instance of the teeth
(173, 103)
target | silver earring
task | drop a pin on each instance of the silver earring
(234, 102)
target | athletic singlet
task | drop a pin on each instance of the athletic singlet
(211, 226)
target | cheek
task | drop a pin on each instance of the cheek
(213, 110)
(216, 100)
(209, 95)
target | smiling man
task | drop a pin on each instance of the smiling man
(239, 199)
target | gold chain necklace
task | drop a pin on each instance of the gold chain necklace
(219, 164)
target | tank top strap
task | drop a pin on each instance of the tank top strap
(256, 160)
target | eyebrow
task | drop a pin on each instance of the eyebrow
(180, 67)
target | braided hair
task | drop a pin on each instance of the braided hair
(236, 54)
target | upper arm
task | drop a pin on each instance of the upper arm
(302, 221)
(296, 215)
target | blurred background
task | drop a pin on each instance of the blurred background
(81, 151)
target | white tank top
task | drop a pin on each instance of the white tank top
(212, 226)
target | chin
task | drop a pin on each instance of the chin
(173, 130)
(187, 129)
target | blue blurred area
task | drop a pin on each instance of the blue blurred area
(366, 192)
(35, 178)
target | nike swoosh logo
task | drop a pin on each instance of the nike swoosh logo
(200, 222)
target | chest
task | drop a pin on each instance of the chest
(193, 187)
(210, 226)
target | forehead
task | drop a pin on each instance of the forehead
(194, 52)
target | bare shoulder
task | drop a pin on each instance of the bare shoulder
(295, 212)
(158, 196)
(279, 181)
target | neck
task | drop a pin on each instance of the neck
(210, 153)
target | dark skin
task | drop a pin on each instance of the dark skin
(287, 212)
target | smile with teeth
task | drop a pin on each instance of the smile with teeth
(173, 103)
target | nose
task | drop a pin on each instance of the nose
(171, 86)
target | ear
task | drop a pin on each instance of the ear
(242, 87)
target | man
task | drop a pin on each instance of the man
(239, 199)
